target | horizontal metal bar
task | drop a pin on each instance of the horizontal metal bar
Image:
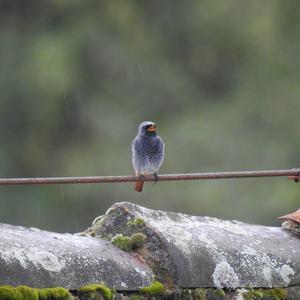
(293, 173)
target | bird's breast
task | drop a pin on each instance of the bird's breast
(147, 155)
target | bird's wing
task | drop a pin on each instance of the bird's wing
(134, 143)
(160, 145)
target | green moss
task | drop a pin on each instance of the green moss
(9, 293)
(276, 293)
(129, 243)
(156, 288)
(220, 292)
(253, 295)
(122, 242)
(135, 297)
(258, 294)
(92, 289)
(27, 293)
(273, 293)
(137, 240)
(137, 222)
(201, 294)
(57, 293)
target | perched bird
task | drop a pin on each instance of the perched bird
(147, 152)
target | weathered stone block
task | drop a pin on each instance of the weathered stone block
(29, 256)
(191, 251)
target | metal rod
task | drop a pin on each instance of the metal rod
(292, 173)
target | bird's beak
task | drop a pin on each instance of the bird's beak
(152, 128)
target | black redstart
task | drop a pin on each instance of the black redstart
(147, 152)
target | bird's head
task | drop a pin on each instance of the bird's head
(147, 128)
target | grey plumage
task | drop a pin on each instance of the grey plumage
(147, 150)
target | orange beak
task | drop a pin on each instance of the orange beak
(152, 128)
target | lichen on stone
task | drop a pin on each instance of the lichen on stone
(92, 290)
(225, 276)
(127, 243)
(156, 288)
(92, 231)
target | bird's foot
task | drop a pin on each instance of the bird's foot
(296, 177)
(141, 177)
(155, 178)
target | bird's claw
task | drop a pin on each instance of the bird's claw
(155, 178)
(296, 177)
(141, 177)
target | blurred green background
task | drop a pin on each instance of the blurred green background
(220, 78)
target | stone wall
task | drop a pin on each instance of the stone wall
(139, 252)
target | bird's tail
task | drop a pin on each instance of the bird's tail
(139, 185)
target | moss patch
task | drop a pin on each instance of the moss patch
(252, 294)
(129, 243)
(156, 288)
(27, 293)
(57, 293)
(137, 240)
(92, 290)
(135, 297)
(137, 222)
(11, 293)
(220, 292)
(122, 242)
(200, 294)
(274, 294)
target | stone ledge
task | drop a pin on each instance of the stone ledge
(191, 251)
(39, 259)
(132, 247)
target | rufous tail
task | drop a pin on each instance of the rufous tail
(139, 186)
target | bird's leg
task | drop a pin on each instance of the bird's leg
(297, 177)
(155, 177)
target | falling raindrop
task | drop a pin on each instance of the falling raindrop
(63, 88)
(62, 192)
(140, 71)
